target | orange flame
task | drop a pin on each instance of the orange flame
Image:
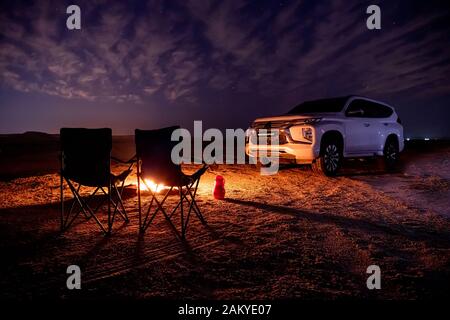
(157, 188)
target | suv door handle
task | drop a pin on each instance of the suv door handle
(366, 124)
(386, 124)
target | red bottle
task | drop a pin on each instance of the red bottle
(219, 188)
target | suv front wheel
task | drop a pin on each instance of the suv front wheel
(330, 159)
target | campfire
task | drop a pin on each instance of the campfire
(157, 188)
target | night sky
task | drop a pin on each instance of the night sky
(139, 64)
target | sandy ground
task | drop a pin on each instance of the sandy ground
(292, 235)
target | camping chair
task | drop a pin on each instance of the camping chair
(153, 152)
(86, 161)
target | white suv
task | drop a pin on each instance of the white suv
(322, 132)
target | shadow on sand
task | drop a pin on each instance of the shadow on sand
(355, 167)
(416, 234)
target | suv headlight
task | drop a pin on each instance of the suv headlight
(250, 133)
(307, 134)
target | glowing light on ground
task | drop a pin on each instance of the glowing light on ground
(157, 188)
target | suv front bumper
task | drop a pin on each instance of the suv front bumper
(301, 153)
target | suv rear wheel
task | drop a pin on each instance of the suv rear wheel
(330, 158)
(391, 153)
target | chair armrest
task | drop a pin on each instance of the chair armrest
(202, 161)
(201, 171)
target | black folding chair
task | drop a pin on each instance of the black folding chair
(86, 161)
(153, 152)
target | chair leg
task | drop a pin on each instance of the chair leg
(119, 194)
(108, 196)
(138, 174)
(84, 207)
(122, 212)
(180, 189)
(198, 212)
(147, 214)
(109, 208)
(66, 222)
(159, 207)
(194, 202)
(68, 218)
(189, 212)
(87, 216)
(114, 204)
(184, 217)
(62, 202)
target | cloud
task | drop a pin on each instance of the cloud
(132, 52)
(116, 58)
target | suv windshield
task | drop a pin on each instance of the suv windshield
(319, 106)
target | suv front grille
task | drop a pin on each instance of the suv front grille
(270, 124)
(282, 136)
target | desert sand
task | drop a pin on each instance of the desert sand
(291, 235)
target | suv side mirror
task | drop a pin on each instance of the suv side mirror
(355, 113)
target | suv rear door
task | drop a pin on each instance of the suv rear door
(361, 129)
(379, 114)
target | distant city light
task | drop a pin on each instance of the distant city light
(407, 139)
(427, 139)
